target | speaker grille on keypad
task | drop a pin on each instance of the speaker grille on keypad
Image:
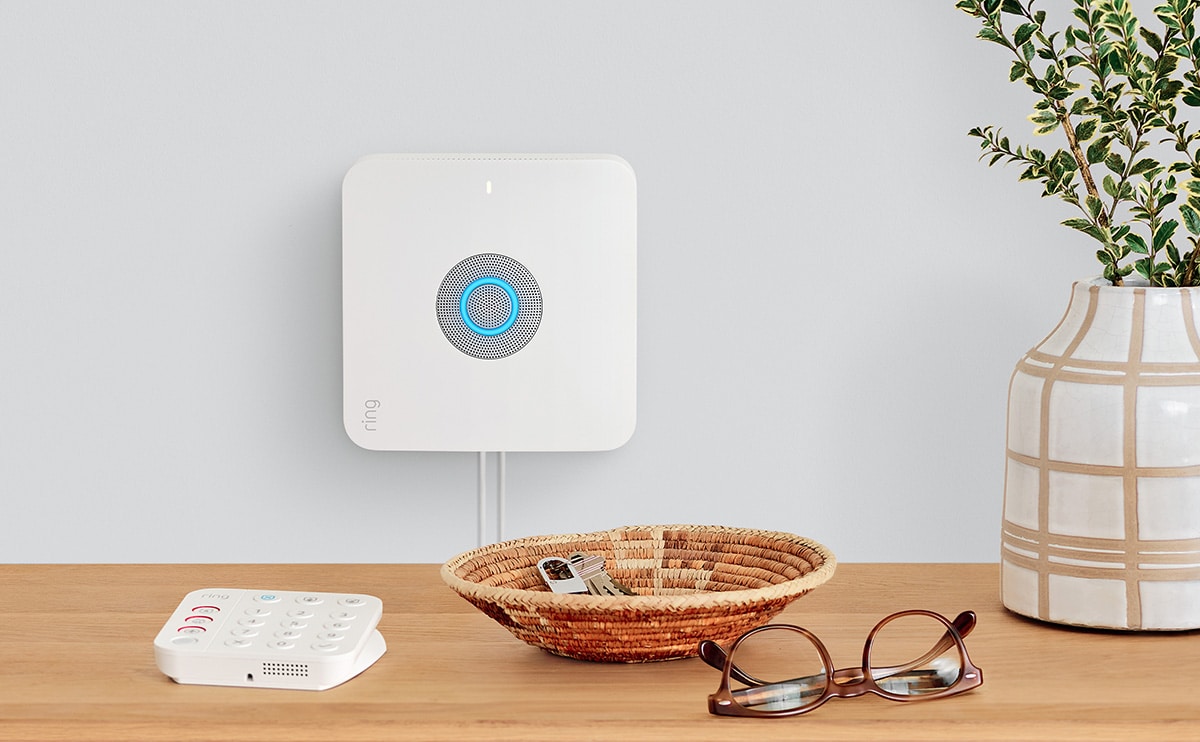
(289, 669)
(489, 306)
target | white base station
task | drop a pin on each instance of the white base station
(489, 302)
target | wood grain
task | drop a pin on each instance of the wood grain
(77, 663)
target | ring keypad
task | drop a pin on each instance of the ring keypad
(270, 638)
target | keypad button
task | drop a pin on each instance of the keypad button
(206, 609)
(331, 636)
(289, 634)
(267, 598)
(184, 641)
(353, 602)
(325, 646)
(244, 632)
(281, 644)
(310, 600)
(258, 611)
(195, 630)
(343, 615)
(294, 623)
(238, 643)
(198, 620)
(252, 621)
(338, 626)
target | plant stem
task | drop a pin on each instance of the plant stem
(1189, 273)
(1064, 118)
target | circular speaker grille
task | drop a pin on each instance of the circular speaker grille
(489, 306)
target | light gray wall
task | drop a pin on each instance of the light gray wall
(832, 291)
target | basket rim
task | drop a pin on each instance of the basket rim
(639, 603)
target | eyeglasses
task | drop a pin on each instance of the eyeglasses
(784, 670)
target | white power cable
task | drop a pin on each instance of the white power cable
(482, 496)
(481, 501)
(500, 466)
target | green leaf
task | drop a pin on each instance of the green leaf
(1164, 233)
(1115, 162)
(1085, 226)
(1136, 244)
(1165, 65)
(1110, 186)
(1155, 41)
(1098, 150)
(1143, 165)
(1044, 117)
(1086, 129)
(1024, 33)
(1061, 92)
(987, 33)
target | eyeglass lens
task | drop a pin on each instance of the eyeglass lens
(913, 655)
(786, 666)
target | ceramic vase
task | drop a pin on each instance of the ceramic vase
(1102, 483)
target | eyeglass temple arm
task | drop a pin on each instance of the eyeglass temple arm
(962, 623)
(714, 656)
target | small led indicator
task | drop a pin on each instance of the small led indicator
(488, 188)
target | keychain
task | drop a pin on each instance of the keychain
(590, 567)
(561, 576)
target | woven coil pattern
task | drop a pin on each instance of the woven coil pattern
(692, 583)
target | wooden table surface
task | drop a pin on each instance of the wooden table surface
(76, 663)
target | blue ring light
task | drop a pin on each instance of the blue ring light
(475, 327)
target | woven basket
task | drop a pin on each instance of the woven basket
(692, 583)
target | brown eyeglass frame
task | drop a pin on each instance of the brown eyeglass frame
(849, 682)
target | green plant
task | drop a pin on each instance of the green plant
(1115, 90)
